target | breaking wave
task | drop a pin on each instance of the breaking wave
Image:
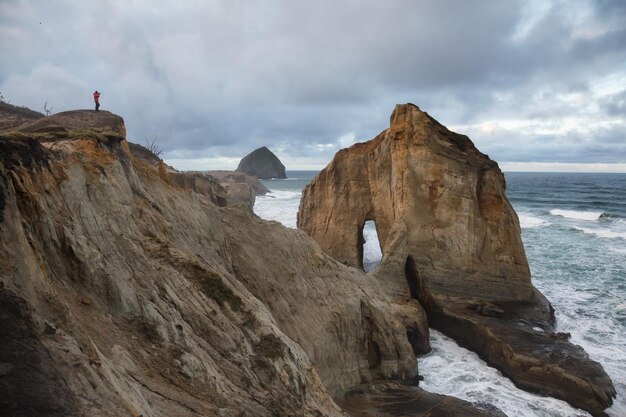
(603, 233)
(577, 215)
(528, 221)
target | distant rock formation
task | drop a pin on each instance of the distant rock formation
(263, 164)
(446, 227)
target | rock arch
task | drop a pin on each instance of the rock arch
(451, 240)
(459, 227)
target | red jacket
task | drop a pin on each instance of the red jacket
(96, 96)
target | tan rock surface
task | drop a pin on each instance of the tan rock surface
(434, 187)
(450, 239)
(142, 297)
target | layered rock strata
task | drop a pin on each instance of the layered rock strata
(447, 230)
(133, 294)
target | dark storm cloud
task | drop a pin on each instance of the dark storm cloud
(220, 78)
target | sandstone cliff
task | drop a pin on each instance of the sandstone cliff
(263, 164)
(124, 292)
(448, 231)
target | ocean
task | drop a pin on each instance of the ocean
(574, 232)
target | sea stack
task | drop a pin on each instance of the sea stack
(447, 228)
(263, 164)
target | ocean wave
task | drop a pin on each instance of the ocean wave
(282, 195)
(528, 221)
(371, 248)
(602, 233)
(577, 215)
(279, 205)
(452, 370)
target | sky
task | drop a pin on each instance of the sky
(537, 85)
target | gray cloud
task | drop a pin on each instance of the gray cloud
(215, 78)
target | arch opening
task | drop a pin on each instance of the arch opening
(369, 246)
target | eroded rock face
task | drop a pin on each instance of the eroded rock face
(452, 240)
(146, 298)
(435, 189)
(263, 164)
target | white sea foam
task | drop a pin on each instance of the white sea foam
(594, 326)
(577, 215)
(279, 205)
(371, 248)
(452, 370)
(602, 232)
(529, 221)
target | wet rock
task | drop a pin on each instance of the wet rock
(389, 399)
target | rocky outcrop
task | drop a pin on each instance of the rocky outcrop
(77, 123)
(228, 178)
(390, 399)
(263, 164)
(224, 188)
(135, 295)
(448, 231)
(240, 188)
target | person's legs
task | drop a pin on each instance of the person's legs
(97, 106)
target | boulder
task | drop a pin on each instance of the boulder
(263, 164)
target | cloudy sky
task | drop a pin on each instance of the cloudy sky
(538, 85)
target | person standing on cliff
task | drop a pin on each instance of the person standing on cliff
(96, 99)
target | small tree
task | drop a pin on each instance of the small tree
(153, 146)
(46, 109)
(1, 97)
